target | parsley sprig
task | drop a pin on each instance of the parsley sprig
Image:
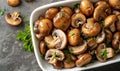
(104, 53)
(2, 12)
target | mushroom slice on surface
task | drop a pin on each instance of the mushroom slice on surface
(74, 37)
(13, 19)
(62, 21)
(58, 40)
(83, 59)
(78, 49)
(101, 53)
(86, 7)
(78, 19)
(92, 43)
(101, 12)
(67, 10)
(110, 52)
(116, 40)
(115, 4)
(51, 13)
(91, 28)
(100, 37)
(110, 22)
(54, 56)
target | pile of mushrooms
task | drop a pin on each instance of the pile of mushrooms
(72, 37)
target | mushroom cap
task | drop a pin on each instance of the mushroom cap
(84, 59)
(91, 28)
(109, 20)
(77, 20)
(86, 7)
(108, 36)
(45, 26)
(52, 54)
(67, 10)
(74, 37)
(115, 4)
(78, 49)
(100, 2)
(51, 13)
(13, 3)
(42, 47)
(98, 52)
(118, 23)
(13, 19)
(116, 40)
(62, 21)
(101, 12)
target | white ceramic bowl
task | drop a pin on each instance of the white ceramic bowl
(42, 63)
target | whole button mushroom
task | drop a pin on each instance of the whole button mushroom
(51, 13)
(74, 37)
(54, 56)
(110, 22)
(116, 41)
(13, 19)
(86, 7)
(62, 20)
(57, 40)
(83, 60)
(115, 4)
(76, 50)
(67, 10)
(77, 20)
(13, 3)
(91, 28)
(101, 12)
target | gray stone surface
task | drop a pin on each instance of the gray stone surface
(12, 56)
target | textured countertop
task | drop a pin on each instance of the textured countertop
(12, 56)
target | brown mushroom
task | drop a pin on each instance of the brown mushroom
(100, 2)
(42, 47)
(62, 20)
(51, 13)
(110, 52)
(118, 23)
(100, 37)
(92, 43)
(86, 7)
(83, 60)
(91, 28)
(74, 37)
(116, 41)
(13, 3)
(57, 40)
(110, 22)
(54, 56)
(108, 36)
(77, 20)
(115, 4)
(67, 10)
(13, 19)
(101, 12)
(78, 49)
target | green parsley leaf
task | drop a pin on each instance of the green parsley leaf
(65, 52)
(62, 25)
(62, 15)
(102, 24)
(85, 37)
(77, 5)
(104, 53)
(107, 44)
(95, 38)
(71, 51)
(47, 43)
(54, 54)
(2, 12)
(60, 7)
(26, 21)
(72, 34)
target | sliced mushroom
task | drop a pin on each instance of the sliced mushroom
(110, 52)
(67, 10)
(13, 3)
(100, 37)
(58, 40)
(101, 12)
(51, 13)
(108, 36)
(91, 28)
(100, 52)
(110, 22)
(54, 56)
(62, 20)
(13, 19)
(86, 7)
(116, 40)
(92, 43)
(42, 47)
(84, 59)
(115, 4)
(78, 49)
(78, 19)
(74, 37)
